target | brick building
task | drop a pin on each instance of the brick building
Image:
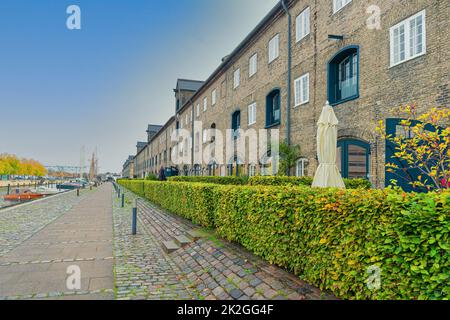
(364, 57)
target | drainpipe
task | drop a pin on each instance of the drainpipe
(289, 76)
(192, 137)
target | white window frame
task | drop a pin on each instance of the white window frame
(407, 34)
(300, 96)
(252, 170)
(253, 65)
(274, 48)
(205, 104)
(303, 24)
(300, 165)
(338, 5)
(236, 78)
(198, 110)
(252, 114)
(214, 97)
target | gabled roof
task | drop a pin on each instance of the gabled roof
(154, 128)
(188, 85)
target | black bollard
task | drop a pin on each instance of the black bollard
(9, 189)
(78, 192)
(134, 222)
(123, 200)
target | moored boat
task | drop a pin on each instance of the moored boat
(25, 195)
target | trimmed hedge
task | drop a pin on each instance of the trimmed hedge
(328, 237)
(229, 180)
(303, 181)
(266, 181)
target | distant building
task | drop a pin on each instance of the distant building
(128, 168)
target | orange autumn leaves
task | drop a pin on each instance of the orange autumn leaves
(11, 165)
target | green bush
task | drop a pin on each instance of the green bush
(280, 181)
(303, 181)
(328, 237)
(229, 180)
(151, 177)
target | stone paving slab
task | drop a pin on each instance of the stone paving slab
(73, 231)
(206, 269)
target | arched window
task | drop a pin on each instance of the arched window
(353, 158)
(273, 108)
(343, 76)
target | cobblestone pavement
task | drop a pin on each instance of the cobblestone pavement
(208, 268)
(39, 241)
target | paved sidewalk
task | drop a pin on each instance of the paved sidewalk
(35, 265)
(207, 268)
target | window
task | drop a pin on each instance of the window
(274, 48)
(253, 65)
(408, 39)
(236, 123)
(300, 167)
(273, 108)
(339, 4)
(301, 87)
(303, 24)
(214, 97)
(252, 114)
(343, 76)
(252, 170)
(197, 141)
(237, 78)
(205, 104)
(352, 159)
(187, 119)
(198, 110)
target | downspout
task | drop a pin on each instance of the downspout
(289, 77)
(192, 137)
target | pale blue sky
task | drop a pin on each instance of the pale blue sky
(101, 85)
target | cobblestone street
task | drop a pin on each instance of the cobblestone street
(207, 268)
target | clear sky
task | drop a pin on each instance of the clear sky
(100, 86)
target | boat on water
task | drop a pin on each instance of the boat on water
(47, 191)
(77, 184)
(23, 195)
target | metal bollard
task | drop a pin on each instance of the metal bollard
(78, 192)
(9, 189)
(118, 193)
(123, 200)
(134, 222)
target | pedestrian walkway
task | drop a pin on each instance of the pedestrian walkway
(75, 232)
(198, 265)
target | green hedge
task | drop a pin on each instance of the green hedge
(229, 180)
(303, 181)
(328, 237)
(266, 181)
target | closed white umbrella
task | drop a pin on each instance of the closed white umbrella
(327, 175)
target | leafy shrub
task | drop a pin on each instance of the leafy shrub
(328, 237)
(194, 201)
(303, 181)
(229, 180)
(151, 177)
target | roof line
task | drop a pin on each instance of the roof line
(278, 7)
